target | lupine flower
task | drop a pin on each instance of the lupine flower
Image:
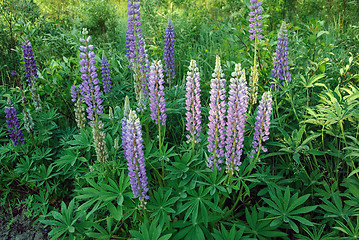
(135, 46)
(236, 119)
(255, 18)
(141, 103)
(31, 72)
(74, 93)
(106, 76)
(115, 144)
(156, 94)
(126, 113)
(133, 152)
(29, 62)
(193, 103)
(99, 142)
(36, 99)
(79, 108)
(169, 51)
(89, 88)
(28, 123)
(253, 90)
(13, 124)
(110, 114)
(134, 30)
(126, 107)
(217, 123)
(280, 64)
(261, 128)
(80, 113)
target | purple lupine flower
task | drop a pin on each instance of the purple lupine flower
(255, 18)
(193, 103)
(262, 124)
(106, 76)
(169, 51)
(29, 62)
(156, 94)
(133, 152)
(89, 88)
(217, 123)
(236, 119)
(31, 72)
(135, 46)
(74, 93)
(280, 64)
(133, 30)
(13, 124)
(141, 103)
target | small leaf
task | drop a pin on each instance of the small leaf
(302, 220)
(165, 237)
(296, 157)
(293, 226)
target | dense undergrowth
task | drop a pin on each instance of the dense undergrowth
(75, 178)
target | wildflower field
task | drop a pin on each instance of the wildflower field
(180, 119)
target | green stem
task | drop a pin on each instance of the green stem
(158, 174)
(292, 104)
(159, 135)
(145, 214)
(325, 157)
(235, 204)
(305, 171)
(103, 219)
(147, 133)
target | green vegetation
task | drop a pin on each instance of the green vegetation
(304, 187)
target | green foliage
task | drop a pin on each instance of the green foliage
(258, 226)
(65, 224)
(305, 187)
(233, 234)
(150, 231)
(285, 208)
(101, 19)
(350, 230)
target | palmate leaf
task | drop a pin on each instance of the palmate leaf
(82, 141)
(214, 181)
(43, 174)
(99, 195)
(258, 226)
(337, 210)
(335, 108)
(182, 169)
(153, 231)
(352, 192)
(232, 234)
(162, 205)
(312, 81)
(197, 205)
(66, 223)
(70, 162)
(285, 208)
(188, 230)
(349, 229)
(103, 233)
(315, 233)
